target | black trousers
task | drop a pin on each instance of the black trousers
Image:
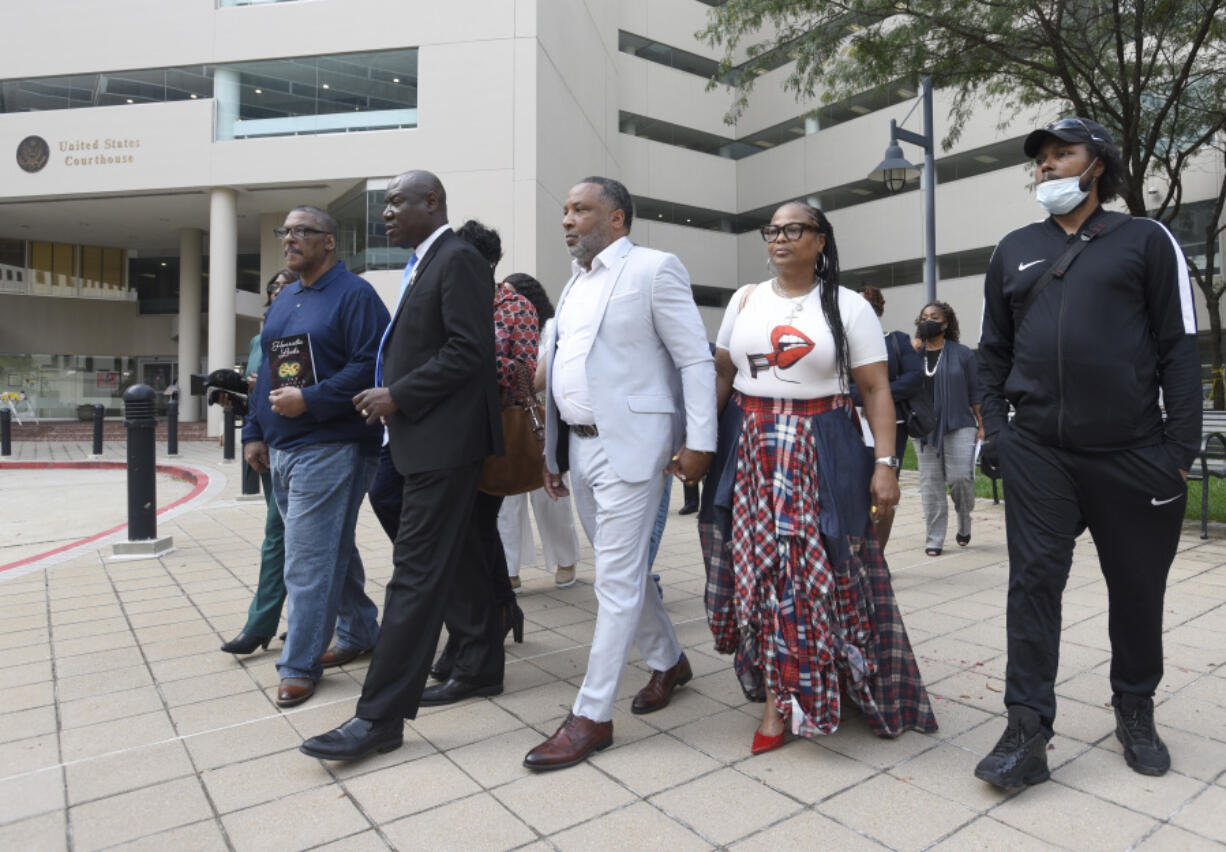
(430, 559)
(385, 493)
(1132, 501)
(474, 614)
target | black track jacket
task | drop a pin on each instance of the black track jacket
(1084, 368)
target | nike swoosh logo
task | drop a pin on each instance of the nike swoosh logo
(1154, 501)
(1022, 267)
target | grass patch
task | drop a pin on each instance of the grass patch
(1217, 490)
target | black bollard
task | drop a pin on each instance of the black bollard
(172, 427)
(98, 412)
(139, 418)
(227, 452)
(6, 432)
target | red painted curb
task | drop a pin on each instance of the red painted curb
(187, 474)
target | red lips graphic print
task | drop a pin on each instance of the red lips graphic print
(788, 345)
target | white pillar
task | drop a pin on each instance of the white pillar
(223, 270)
(190, 248)
(271, 258)
(225, 96)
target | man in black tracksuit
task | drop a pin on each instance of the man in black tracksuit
(1082, 360)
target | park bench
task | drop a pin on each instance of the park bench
(1210, 461)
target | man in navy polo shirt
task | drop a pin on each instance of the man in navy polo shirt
(319, 341)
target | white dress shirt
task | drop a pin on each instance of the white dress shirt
(576, 324)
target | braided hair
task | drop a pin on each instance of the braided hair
(827, 273)
(951, 319)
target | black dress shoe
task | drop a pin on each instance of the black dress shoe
(456, 690)
(355, 739)
(245, 643)
(441, 670)
(688, 509)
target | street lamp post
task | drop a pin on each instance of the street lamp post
(895, 171)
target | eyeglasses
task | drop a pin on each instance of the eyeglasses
(791, 231)
(1073, 124)
(299, 232)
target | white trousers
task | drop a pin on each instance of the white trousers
(555, 519)
(617, 517)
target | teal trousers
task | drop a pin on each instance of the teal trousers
(264, 614)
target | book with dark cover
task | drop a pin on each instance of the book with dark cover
(290, 363)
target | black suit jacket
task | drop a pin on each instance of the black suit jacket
(438, 363)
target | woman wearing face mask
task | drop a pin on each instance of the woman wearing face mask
(947, 456)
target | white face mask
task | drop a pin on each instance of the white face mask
(1062, 195)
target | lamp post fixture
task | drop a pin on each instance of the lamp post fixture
(894, 171)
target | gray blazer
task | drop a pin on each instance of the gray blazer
(649, 371)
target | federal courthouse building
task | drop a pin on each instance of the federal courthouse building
(149, 148)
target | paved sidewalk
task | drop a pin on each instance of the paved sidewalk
(121, 724)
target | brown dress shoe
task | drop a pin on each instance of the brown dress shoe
(294, 691)
(578, 737)
(659, 690)
(338, 656)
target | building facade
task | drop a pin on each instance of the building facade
(154, 147)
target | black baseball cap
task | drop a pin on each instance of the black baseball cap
(1068, 130)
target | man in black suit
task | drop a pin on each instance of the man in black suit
(439, 398)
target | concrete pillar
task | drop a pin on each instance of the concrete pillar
(191, 242)
(223, 273)
(271, 258)
(225, 96)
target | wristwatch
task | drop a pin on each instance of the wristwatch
(889, 461)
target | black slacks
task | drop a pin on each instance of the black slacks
(1132, 501)
(386, 492)
(429, 559)
(474, 613)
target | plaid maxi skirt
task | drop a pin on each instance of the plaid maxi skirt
(797, 589)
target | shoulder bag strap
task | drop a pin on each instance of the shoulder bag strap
(1105, 225)
(745, 298)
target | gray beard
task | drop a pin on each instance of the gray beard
(588, 246)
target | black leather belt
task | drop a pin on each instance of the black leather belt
(584, 431)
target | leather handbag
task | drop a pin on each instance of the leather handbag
(519, 470)
(916, 414)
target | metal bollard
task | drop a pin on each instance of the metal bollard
(172, 428)
(139, 418)
(6, 432)
(227, 452)
(98, 412)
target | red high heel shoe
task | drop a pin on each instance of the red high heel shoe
(763, 743)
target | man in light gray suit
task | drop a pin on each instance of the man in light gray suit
(630, 398)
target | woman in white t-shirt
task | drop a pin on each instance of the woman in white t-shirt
(796, 587)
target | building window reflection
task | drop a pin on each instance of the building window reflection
(373, 90)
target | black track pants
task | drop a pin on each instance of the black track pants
(1132, 501)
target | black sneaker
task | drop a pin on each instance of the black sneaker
(1144, 750)
(1020, 755)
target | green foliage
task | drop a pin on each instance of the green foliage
(1217, 491)
(1151, 71)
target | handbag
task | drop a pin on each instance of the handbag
(916, 414)
(520, 468)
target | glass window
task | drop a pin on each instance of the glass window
(322, 94)
(311, 94)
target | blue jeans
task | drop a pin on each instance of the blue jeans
(657, 530)
(319, 490)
